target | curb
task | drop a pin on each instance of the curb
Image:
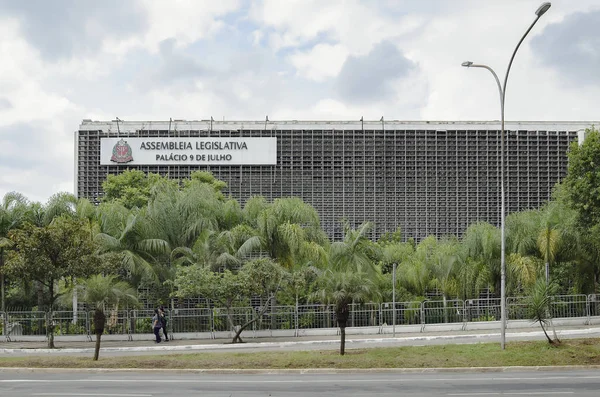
(218, 371)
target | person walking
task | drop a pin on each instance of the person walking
(163, 320)
(157, 325)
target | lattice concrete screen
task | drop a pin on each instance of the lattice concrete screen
(425, 177)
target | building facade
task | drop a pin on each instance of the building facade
(424, 177)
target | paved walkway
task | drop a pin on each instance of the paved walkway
(305, 342)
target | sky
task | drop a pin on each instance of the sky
(68, 60)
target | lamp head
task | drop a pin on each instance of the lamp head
(543, 8)
(467, 64)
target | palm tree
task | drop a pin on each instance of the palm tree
(522, 229)
(281, 229)
(481, 243)
(538, 305)
(356, 252)
(414, 275)
(217, 251)
(472, 276)
(13, 210)
(341, 288)
(128, 234)
(105, 293)
(395, 252)
(59, 204)
(556, 233)
(178, 217)
(416, 270)
(444, 264)
(521, 232)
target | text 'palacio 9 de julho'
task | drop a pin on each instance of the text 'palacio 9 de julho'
(424, 177)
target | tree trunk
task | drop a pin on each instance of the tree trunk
(445, 303)
(75, 301)
(99, 322)
(236, 337)
(50, 320)
(342, 340)
(97, 348)
(342, 314)
(549, 317)
(545, 333)
(554, 331)
(40, 295)
(50, 328)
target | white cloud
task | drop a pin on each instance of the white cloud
(320, 62)
(257, 37)
(283, 58)
(21, 76)
(354, 24)
(186, 21)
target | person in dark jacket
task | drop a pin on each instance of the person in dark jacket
(163, 321)
(156, 325)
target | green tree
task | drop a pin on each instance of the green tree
(59, 204)
(282, 228)
(132, 188)
(356, 252)
(394, 252)
(261, 278)
(481, 249)
(341, 288)
(13, 209)
(556, 233)
(179, 217)
(105, 292)
(416, 270)
(538, 304)
(60, 251)
(265, 278)
(582, 183)
(226, 288)
(129, 234)
(522, 261)
(207, 178)
(444, 264)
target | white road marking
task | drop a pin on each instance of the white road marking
(89, 394)
(509, 393)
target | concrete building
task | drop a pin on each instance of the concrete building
(424, 177)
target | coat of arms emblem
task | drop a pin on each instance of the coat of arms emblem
(121, 152)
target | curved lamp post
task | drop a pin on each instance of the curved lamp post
(502, 89)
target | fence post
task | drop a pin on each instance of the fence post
(380, 318)
(211, 322)
(422, 310)
(464, 315)
(87, 326)
(129, 319)
(296, 332)
(5, 325)
(588, 307)
(507, 311)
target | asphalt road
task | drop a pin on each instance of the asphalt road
(580, 383)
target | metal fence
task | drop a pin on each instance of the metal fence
(204, 320)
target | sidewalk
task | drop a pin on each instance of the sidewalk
(303, 342)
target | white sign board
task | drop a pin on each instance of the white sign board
(193, 151)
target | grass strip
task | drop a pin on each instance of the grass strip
(538, 353)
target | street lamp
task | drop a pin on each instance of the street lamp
(502, 89)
